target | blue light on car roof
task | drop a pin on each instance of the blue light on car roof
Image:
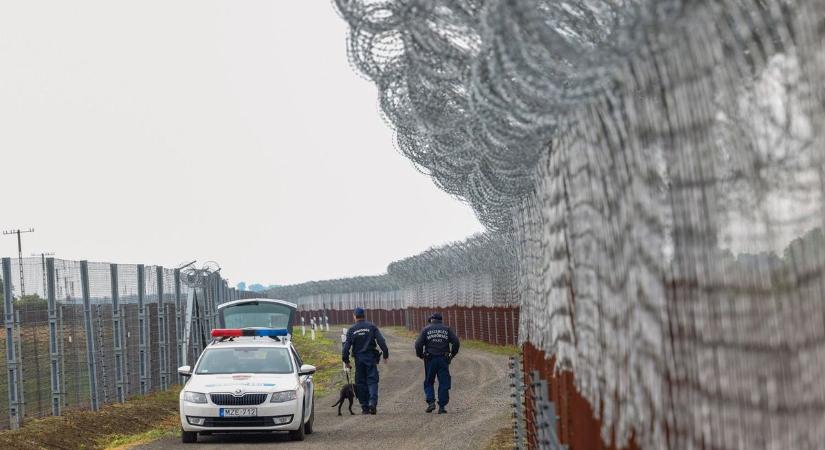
(272, 332)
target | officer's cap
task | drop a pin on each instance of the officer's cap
(358, 312)
(436, 316)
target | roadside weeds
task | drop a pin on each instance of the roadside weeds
(94, 429)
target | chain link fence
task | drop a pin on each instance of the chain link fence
(87, 334)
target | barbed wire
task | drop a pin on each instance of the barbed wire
(657, 165)
(336, 286)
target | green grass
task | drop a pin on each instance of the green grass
(506, 350)
(323, 353)
(170, 428)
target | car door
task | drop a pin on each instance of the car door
(308, 385)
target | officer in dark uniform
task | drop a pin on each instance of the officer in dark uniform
(364, 339)
(437, 345)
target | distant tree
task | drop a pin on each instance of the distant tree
(257, 287)
(242, 286)
(31, 302)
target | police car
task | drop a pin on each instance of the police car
(250, 378)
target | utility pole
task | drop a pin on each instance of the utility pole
(43, 262)
(20, 254)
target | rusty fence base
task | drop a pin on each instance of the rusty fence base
(577, 426)
(493, 325)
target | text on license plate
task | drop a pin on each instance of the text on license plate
(238, 412)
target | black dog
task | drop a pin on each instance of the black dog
(347, 393)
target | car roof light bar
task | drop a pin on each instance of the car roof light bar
(238, 332)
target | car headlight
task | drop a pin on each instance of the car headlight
(283, 396)
(194, 397)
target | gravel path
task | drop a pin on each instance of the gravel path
(478, 408)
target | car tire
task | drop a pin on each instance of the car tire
(298, 435)
(308, 426)
(188, 437)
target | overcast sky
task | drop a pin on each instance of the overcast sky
(158, 132)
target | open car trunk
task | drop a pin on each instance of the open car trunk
(257, 313)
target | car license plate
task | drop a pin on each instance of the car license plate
(239, 412)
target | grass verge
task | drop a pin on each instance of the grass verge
(95, 429)
(323, 353)
(506, 350)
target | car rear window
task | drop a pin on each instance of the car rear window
(256, 314)
(244, 360)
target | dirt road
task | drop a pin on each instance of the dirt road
(479, 406)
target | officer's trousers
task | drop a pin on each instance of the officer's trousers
(366, 380)
(437, 367)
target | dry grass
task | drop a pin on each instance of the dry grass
(94, 429)
(503, 440)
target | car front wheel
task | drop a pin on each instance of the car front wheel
(189, 437)
(311, 421)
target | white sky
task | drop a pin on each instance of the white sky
(163, 131)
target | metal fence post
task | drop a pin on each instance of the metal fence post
(518, 402)
(127, 382)
(61, 348)
(21, 387)
(101, 349)
(162, 338)
(495, 322)
(145, 378)
(472, 323)
(54, 354)
(11, 349)
(117, 335)
(544, 414)
(506, 329)
(90, 338)
(178, 323)
(514, 321)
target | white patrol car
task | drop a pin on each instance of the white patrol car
(249, 378)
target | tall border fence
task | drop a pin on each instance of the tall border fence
(658, 167)
(87, 334)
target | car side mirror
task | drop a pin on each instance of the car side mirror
(307, 369)
(185, 371)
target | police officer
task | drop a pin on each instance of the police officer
(364, 338)
(437, 345)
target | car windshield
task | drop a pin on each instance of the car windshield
(244, 360)
(256, 314)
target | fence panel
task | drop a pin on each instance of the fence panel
(81, 331)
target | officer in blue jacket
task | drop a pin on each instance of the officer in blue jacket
(437, 345)
(364, 339)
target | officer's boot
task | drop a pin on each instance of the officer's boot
(430, 407)
(441, 410)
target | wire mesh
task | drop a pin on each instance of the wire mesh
(658, 167)
(31, 326)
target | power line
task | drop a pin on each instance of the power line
(43, 256)
(18, 232)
